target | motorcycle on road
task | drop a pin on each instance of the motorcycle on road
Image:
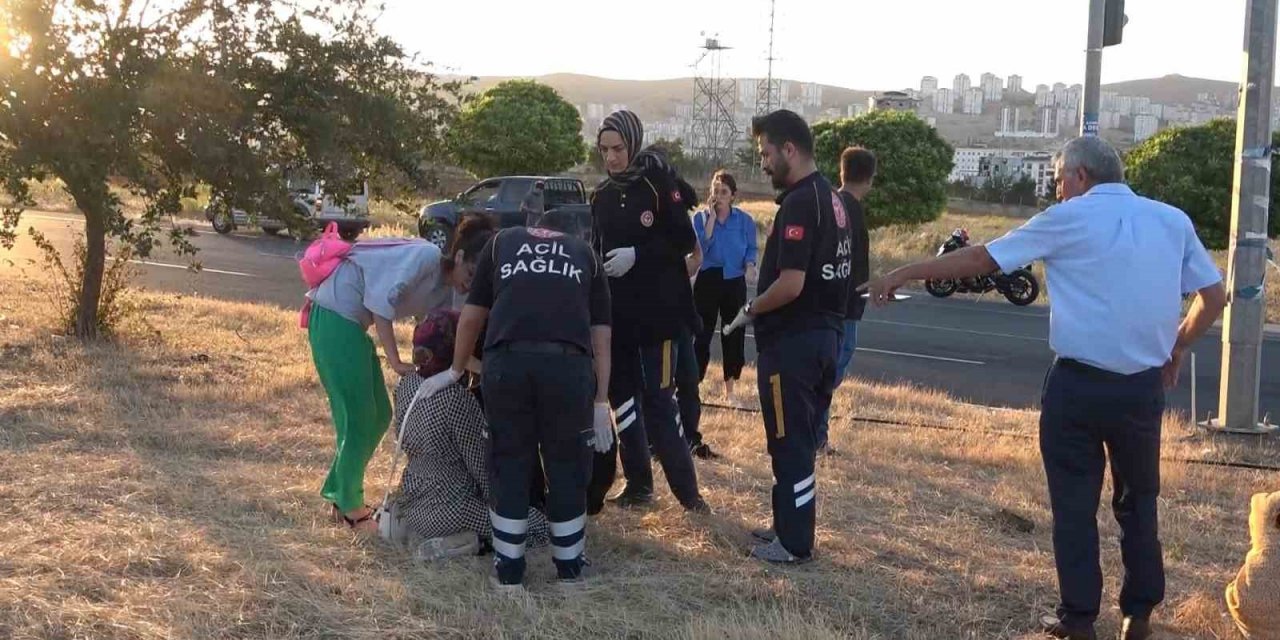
(1019, 287)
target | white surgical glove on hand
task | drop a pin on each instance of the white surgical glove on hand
(739, 322)
(603, 427)
(435, 383)
(620, 261)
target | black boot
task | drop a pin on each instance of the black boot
(1135, 628)
(1054, 627)
(632, 498)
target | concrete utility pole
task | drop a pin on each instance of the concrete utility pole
(1242, 331)
(1093, 69)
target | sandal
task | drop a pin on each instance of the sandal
(341, 518)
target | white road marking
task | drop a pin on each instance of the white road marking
(233, 234)
(268, 254)
(188, 268)
(968, 331)
(38, 216)
(80, 220)
(922, 356)
(972, 305)
(904, 354)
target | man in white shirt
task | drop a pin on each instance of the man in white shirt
(1118, 266)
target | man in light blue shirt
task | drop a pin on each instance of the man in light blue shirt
(1118, 266)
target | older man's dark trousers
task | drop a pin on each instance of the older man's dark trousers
(1089, 415)
(796, 374)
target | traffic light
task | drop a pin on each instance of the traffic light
(1113, 23)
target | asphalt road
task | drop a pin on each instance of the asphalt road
(981, 351)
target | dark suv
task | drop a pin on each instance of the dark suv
(501, 198)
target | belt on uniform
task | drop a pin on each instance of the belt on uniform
(1097, 372)
(545, 347)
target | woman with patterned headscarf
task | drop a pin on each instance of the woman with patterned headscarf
(442, 506)
(641, 231)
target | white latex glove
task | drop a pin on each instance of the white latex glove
(740, 321)
(620, 261)
(435, 383)
(603, 427)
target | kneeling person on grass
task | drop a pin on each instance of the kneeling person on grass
(442, 507)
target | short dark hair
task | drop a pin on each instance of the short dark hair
(783, 126)
(472, 234)
(560, 220)
(857, 165)
(727, 179)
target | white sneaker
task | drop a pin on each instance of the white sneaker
(586, 575)
(459, 544)
(508, 590)
(773, 552)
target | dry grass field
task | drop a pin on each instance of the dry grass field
(166, 486)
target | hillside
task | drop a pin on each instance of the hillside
(1174, 89)
(659, 98)
(653, 98)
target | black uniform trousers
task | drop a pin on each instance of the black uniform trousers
(537, 478)
(1087, 415)
(714, 295)
(538, 400)
(688, 398)
(642, 393)
(797, 373)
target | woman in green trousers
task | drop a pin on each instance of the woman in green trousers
(377, 284)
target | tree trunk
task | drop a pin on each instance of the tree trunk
(95, 237)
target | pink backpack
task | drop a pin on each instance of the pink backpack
(319, 261)
(323, 256)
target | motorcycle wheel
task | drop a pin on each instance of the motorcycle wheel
(1021, 288)
(223, 223)
(940, 288)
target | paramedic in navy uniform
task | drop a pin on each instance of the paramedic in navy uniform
(545, 298)
(641, 231)
(804, 277)
(1119, 265)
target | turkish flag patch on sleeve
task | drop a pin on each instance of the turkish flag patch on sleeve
(793, 232)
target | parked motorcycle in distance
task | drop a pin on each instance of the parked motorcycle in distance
(1020, 287)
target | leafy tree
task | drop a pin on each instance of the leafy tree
(914, 162)
(674, 151)
(993, 189)
(747, 157)
(1192, 168)
(690, 167)
(157, 99)
(518, 127)
(1021, 192)
(962, 189)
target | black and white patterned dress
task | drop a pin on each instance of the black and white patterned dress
(445, 486)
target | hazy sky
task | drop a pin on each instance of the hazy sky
(865, 44)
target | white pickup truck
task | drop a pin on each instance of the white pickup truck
(310, 203)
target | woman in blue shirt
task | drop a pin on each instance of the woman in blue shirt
(728, 248)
